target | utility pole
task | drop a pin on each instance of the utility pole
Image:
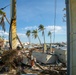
(13, 35)
(71, 36)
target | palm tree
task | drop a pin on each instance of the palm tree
(2, 23)
(35, 34)
(28, 35)
(41, 28)
(49, 34)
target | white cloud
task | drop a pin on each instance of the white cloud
(52, 28)
(57, 29)
(3, 33)
(21, 35)
(30, 27)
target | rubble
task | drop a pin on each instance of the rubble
(12, 63)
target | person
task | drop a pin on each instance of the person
(32, 60)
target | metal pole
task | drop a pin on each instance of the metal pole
(68, 37)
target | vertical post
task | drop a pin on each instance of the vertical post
(71, 36)
(68, 36)
(13, 35)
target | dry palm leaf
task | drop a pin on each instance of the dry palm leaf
(2, 23)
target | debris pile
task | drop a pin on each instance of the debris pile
(11, 62)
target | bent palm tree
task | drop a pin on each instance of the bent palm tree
(35, 34)
(28, 35)
(2, 23)
(49, 34)
(41, 28)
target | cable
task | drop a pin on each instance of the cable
(55, 7)
(4, 7)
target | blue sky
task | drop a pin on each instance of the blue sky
(32, 13)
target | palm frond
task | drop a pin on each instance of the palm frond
(28, 33)
(35, 33)
(49, 33)
(41, 27)
(64, 9)
(2, 13)
(2, 23)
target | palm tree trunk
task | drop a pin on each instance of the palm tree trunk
(44, 44)
(39, 40)
(29, 40)
(50, 44)
(9, 37)
(13, 35)
(10, 33)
